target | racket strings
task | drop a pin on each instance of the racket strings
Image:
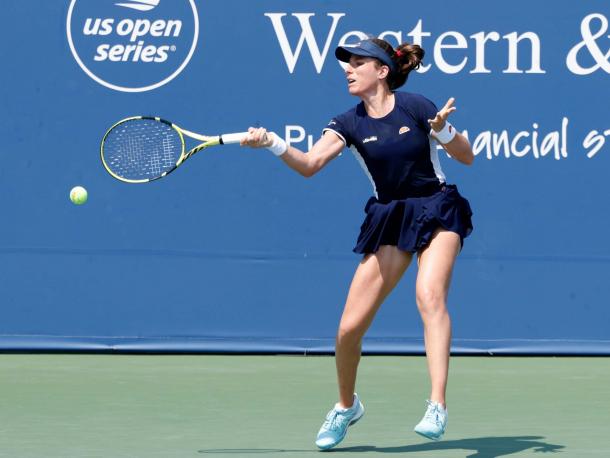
(141, 149)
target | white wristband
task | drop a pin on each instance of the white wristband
(278, 147)
(446, 134)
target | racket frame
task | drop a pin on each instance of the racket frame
(206, 141)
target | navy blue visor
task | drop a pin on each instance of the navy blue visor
(365, 48)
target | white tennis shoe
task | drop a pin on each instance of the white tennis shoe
(433, 425)
(335, 425)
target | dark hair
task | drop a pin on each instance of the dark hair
(406, 57)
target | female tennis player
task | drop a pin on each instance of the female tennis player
(413, 212)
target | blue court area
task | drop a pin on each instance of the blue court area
(234, 252)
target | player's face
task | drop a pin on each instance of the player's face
(363, 74)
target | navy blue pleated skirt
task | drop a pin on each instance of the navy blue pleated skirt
(410, 223)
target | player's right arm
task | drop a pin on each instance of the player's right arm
(307, 164)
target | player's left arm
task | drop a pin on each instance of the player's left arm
(458, 147)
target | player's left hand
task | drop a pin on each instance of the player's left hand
(439, 120)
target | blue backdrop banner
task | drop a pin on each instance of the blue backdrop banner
(234, 252)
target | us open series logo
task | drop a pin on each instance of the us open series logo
(132, 45)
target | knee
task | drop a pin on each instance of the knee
(349, 334)
(430, 300)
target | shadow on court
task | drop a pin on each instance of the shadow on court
(482, 447)
(253, 450)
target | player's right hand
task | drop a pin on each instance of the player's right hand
(257, 137)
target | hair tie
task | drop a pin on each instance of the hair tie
(398, 53)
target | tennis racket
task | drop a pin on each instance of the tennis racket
(145, 148)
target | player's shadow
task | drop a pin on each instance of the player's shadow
(482, 447)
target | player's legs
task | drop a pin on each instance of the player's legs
(375, 277)
(436, 263)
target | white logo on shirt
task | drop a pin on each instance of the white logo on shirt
(370, 139)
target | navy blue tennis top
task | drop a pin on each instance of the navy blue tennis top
(396, 151)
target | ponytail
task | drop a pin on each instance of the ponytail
(406, 57)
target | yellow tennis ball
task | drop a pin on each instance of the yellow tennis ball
(78, 195)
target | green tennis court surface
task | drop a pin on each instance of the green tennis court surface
(230, 406)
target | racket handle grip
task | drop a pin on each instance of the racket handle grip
(232, 138)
